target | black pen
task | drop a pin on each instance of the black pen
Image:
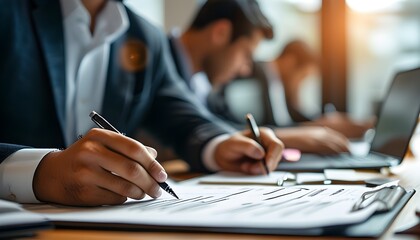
(256, 133)
(103, 123)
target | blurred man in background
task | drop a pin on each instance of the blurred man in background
(218, 47)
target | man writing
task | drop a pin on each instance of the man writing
(61, 60)
(220, 43)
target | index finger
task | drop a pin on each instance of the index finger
(273, 147)
(130, 148)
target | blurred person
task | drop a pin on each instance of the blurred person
(218, 46)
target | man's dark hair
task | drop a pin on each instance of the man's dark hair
(245, 16)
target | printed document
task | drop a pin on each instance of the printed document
(304, 206)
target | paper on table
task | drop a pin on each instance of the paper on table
(310, 178)
(217, 206)
(275, 178)
(350, 175)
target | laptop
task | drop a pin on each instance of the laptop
(397, 120)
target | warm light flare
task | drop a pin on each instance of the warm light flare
(370, 6)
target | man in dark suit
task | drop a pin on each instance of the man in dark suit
(62, 59)
(217, 47)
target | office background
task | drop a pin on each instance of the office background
(368, 42)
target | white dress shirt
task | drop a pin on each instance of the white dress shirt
(87, 58)
(201, 86)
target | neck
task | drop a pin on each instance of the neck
(93, 7)
(195, 50)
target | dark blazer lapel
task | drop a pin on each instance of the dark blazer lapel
(48, 24)
(179, 61)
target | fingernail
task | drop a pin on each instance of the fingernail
(152, 151)
(158, 193)
(162, 176)
(257, 154)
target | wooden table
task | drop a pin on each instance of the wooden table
(408, 172)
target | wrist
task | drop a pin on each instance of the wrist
(44, 180)
(209, 155)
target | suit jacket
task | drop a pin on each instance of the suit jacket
(32, 85)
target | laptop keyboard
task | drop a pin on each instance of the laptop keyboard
(344, 160)
(351, 160)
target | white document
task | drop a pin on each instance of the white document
(351, 175)
(276, 178)
(213, 206)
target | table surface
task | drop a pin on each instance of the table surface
(408, 173)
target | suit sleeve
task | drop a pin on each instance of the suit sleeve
(7, 149)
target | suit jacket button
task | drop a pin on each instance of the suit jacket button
(12, 197)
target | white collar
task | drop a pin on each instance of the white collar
(111, 22)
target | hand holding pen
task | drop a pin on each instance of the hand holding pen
(242, 152)
(102, 168)
(103, 123)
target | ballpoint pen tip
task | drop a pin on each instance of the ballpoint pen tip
(173, 194)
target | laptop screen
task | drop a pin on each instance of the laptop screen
(398, 115)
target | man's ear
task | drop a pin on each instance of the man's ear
(220, 32)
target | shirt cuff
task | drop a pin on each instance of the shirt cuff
(208, 153)
(17, 173)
